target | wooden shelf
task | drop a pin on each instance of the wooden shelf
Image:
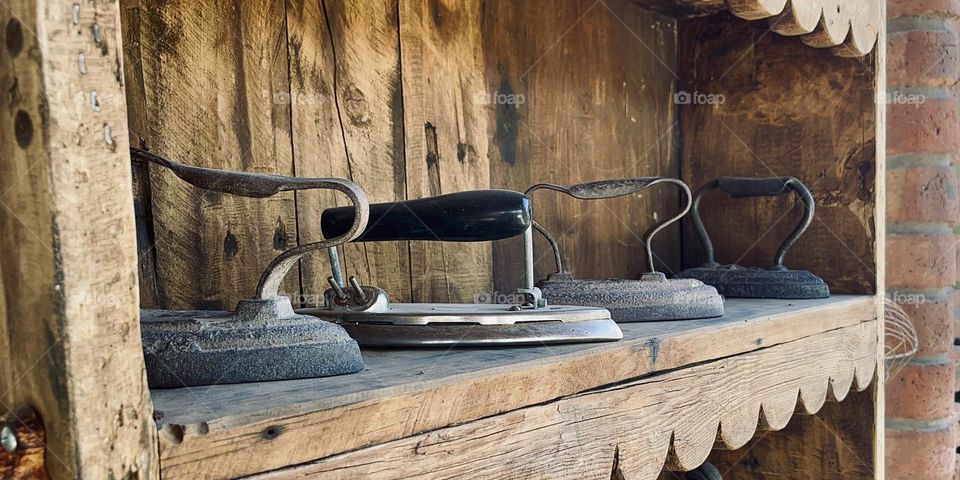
(707, 372)
(850, 27)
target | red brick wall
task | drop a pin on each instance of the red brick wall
(923, 136)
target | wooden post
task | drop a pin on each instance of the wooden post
(69, 310)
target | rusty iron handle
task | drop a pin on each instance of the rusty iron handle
(261, 185)
(603, 189)
(745, 187)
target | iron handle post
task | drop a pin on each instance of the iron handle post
(260, 185)
(744, 187)
(604, 189)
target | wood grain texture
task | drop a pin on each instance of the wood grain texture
(318, 141)
(366, 42)
(218, 431)
(593, 86)
(447, 135)
(673, 417)
(213, 97)
(836, 444)
(72, 341)
(785, 111)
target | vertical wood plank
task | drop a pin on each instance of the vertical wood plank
(215, 75)
(597, 81)
(71, 346)
(365, 42)
(318, 143)
(445, 103)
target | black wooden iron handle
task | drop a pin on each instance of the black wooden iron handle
(261, 185)
(744, 187)
(613, 188)
(741, 187)
(472, 216)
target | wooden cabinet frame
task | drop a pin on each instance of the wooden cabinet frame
(76, 91)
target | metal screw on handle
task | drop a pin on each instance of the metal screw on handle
(738, 187)
(8, 439)
(604, 189)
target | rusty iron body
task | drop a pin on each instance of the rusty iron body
(483, 215)
(263, 339)
(652, 297)
(776, 281)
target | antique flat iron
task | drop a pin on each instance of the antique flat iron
(651, 298)
(776, 281)
(263, 339)
(482, 215)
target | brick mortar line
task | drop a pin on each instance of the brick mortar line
(912, 425)
(919, 228)
(920, 23)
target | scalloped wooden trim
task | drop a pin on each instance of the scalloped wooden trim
(675, 418)
(850, 27)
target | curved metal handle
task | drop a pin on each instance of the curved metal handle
(260, 185)
(743, 187)
(603, 189)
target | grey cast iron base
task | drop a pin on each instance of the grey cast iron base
(652, 298)
(263, 340)
(751, 282)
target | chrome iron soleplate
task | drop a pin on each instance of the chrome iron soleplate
(473, 325)
(750, 282)
(652, 298)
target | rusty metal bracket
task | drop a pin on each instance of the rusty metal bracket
(23, 442)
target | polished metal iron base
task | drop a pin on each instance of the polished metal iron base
(652, 298)
(752, 282)
(473, 325)
(263, 340)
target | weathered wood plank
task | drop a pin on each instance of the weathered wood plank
(318, 142)
(219, 430)
(365, 41)
(71, 346)
(836, 444)
(674, 417)
(448, 129)
(211, 90)
(765, 126)
(582, 94)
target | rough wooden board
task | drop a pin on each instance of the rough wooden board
(835, 444)
(672, 417)
(317, 134)
(593, 85)
(220, 429)
(365, 39)
(131, 14)
(72, 343)
(212, 90)
(448, 129)
(786, 111)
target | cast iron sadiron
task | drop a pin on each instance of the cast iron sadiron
(776, 281)
(263, 339)
(483, 215)
(653, 297)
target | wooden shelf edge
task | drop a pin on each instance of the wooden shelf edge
(674, 419)
(849, 27)
(324, 423)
